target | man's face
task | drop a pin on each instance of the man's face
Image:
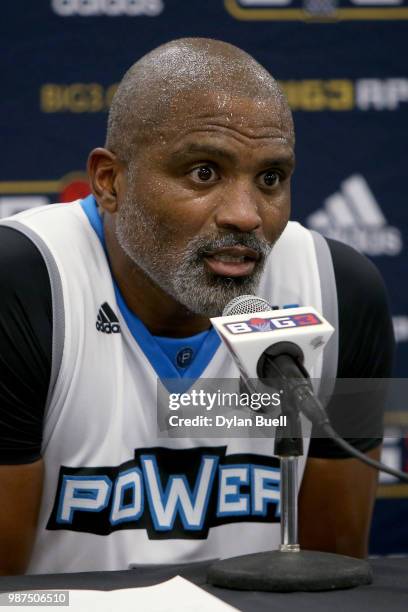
(206, 197)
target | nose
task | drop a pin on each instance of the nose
(238, 210)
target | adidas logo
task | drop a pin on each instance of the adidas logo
(107, 322)
(353, 215)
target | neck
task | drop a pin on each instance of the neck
(160, 313)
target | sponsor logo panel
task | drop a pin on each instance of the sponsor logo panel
(318, 10)
(107, 8)
(400, 323)
(353, 215)
(76, 98)
(17, 196)
(11, 205)
(266, 324)
(307, 95)
(395, 454)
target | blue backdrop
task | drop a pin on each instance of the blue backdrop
(343, 65)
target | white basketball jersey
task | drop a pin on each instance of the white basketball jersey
(115, 493)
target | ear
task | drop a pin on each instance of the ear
(104, 172)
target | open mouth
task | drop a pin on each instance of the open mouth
(232, 261)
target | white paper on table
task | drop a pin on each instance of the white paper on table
(174, 595)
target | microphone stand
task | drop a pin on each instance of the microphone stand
(289, 447)
(289, 569)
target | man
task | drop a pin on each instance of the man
(190, 208)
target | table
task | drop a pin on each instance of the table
(389, 590)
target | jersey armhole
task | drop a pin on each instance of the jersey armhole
(330, 312)
(58, 312)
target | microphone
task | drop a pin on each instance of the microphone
(285, 345)
(280, 344)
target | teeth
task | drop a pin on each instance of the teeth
(229, 258)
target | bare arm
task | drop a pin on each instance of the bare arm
(336, 501)
(21, 488)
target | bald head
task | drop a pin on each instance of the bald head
(160, 81)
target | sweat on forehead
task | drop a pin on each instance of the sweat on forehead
(151, 86)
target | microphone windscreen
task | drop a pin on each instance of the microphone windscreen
(246, 304)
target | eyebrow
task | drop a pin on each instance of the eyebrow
(204, 149)
(213, 151)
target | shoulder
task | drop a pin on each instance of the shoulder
(356, 275)
(24, 281)
(25, 346)
(366, 340)
(16, 252)
(366, 347)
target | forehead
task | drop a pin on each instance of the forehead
(191, 115)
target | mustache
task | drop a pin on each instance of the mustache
(202, 245)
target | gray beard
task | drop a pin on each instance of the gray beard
(183, 274)
(205, 293)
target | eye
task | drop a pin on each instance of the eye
(204, 174)
(271, 178)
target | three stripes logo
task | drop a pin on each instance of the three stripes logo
(107, 322)
(353, 215)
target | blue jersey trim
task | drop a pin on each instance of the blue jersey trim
(90, 208)
(160, 362)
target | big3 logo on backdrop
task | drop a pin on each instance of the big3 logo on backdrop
(317, 10)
